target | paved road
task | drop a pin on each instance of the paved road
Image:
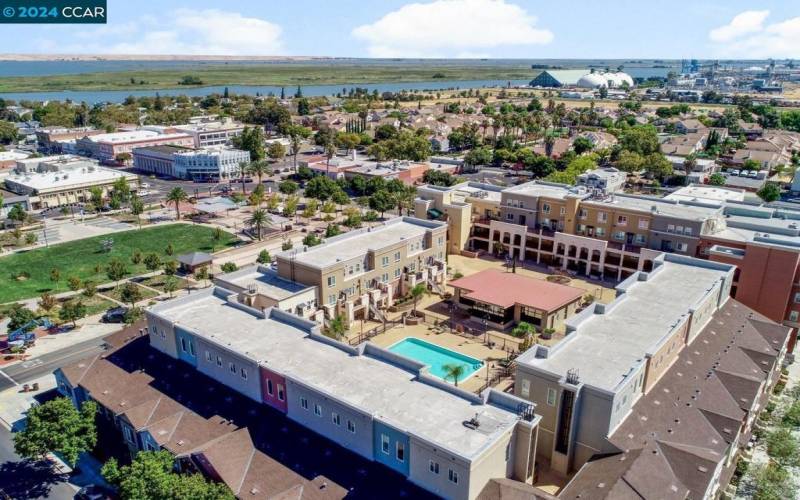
(37, 367)
(26, 479)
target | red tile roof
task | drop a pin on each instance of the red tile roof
(506, 289)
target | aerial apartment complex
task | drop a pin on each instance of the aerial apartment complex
(359, 272)
(657, 391)
(613, 235)
(375, 403)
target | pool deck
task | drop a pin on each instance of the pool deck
(473, 348)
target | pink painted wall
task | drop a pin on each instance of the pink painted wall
(278, 388)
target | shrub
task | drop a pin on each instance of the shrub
(229, 267)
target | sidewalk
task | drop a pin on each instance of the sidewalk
(14, 403)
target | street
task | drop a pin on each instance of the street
(31, 369)
(26, 479)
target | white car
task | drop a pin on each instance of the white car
(145, 185)
(734, 172)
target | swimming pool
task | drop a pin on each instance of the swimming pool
(436, 357)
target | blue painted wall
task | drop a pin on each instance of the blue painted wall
(390, 460)
(186, 346)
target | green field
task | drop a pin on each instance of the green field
(80, 258)
(289, 75)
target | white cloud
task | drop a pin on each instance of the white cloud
(448, 28)
(184, 32)
(750, 21)
(777, 40)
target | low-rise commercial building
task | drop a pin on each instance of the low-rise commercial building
(358, 273)
(61, 180)
(505, 299)
(207, 164)
(670, 375)
(51, 139)
(107, 147)
(603, 180)
(375, 403)
(212, 133)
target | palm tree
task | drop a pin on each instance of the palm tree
(258, 220)
(688, 165)
(330, 152)
(454, 372)
(418, 291)
(259, 169)
(177, 196)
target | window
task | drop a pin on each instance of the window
(793, 316)
(670, 228)
(509, 216)
(452, 476)
(336, 419)
(412, 266)
(232, 367)
(687, 230)
(619, 235)
(385, 443)
(640, 239)
(600, 231)
(551, 396)
(304, 403)
(397, 254)
(208, 356)
(385, 277)
(681, 247)
(331, 281)
(317, 410)
(183, 344)
(385, 261)
(433, 467)
(280, 392)
(797, 298)
(351, 426)
(400, 452)
(581, 228)
(397, 273)
(546, 208)
(521, 204)
(128, 434)
(622, 220)
(243, 373)
(526, 388)
(643, 224)
(191, 348)
(602, 217)
(332, 298)
(583, 213)
(219, 361)
(562, 211)
(269, 388)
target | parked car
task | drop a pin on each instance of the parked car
(115, 315)
(734, 172)
(95, 492)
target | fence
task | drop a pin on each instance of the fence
(469, 330)
(363, 337)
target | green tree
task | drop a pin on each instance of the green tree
(58, 427)
(17, 213)
(716, 179)
(229, 267)
(288, 187)
(137, 208)
(276, 151)
(152, 261)
(336, 327)
(381, 201)
(96, 196)
(8, 132)
(259, 168)
(170, 267)
(74, 283)
(177, 196)
(151, 476)
(321, 188)
(89, 289)
(311, 209)
(453, 371)
(20, 316)
(773, 482)
(311, 240)
(257, 220)
(130, 293)
(169, 250)
(769, 192)
(47, 301)
(642, 139)
(658, 166)
(581, 145)
(121, 189)
(55, 275)
(116, 270)
(332, 230)
(297, 134)
(171, 282)
(290, 206)
(417, 292)
(782, 447)
(136, 257)
(264, 257)
(72, 310)
(252, 140)
(630, 161)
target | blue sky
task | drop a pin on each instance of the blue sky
(429, 28)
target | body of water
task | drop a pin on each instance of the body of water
(96, 96)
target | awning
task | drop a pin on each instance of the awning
(434, 213)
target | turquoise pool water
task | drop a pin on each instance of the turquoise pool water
(436, 357)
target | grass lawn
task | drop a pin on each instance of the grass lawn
(94, 305)
(86, 260)
(157, 282)
(114, 293)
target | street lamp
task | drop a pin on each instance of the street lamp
(485, 332)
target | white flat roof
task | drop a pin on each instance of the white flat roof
(706, 193)
(605, 347)
(355, 243)
(267, 282)
(71, 176)
(132, 136)
(374, 386)
(13, 155)
(535, 188)
(668, 208)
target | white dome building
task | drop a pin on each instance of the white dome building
(609, 80)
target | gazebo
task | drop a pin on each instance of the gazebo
(192, 261)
